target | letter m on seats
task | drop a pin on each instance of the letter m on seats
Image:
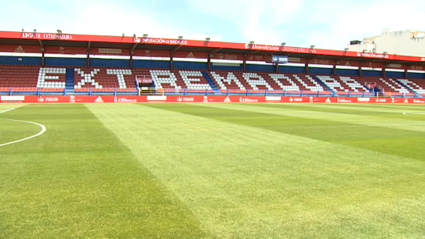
(225, 82)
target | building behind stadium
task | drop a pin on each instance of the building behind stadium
(407, 43)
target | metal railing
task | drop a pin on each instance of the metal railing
(188, 92)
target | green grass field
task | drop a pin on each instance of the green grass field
(213, 171)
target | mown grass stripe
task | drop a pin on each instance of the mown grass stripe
(79, 181)
(294, 111)
(367, 110)
(314, 125)
(248, 182)
(389, 106)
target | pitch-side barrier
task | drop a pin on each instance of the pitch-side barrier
(201, 99)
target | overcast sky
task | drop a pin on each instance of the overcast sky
(328, 24)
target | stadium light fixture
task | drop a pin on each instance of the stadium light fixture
(385, 53)
(180, 37)
(346, 49)
(312, 46)
(134, 35)
(23, 30)
(283, 44)
(207, 39)
(145, 35)
(364, 51)
(59, 31)
(35, 30)
(252, 42)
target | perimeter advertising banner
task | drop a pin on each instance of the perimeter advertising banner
(12, 99)
(202, 99)
(86, 99)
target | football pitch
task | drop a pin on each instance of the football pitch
(212, 171)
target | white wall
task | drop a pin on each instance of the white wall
(398, 42)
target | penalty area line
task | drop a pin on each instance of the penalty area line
(43, 129)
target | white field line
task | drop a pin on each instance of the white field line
(414, 114)
(43, 129)
(7, 110)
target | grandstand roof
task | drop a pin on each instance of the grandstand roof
(34, 41)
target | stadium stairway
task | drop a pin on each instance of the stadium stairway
(407, 87)
(70, 82)
(213, 86)
(325, 87)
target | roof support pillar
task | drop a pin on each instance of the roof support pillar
(360, 70)
(88, 58)
(306, 71)
(88, 54)
(245, 56)
(43, 59)
(131, 59)
(276, 68)
(209, 62)
(406, 74)
(334, 70)
(384, 74)
(172, 60)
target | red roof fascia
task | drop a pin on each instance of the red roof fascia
(201, 44)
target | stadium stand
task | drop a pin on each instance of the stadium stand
(109, 80)
(103, 79)
(130, 65)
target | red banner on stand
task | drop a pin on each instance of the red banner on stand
(110, 51)
(20, 49)
(65, 50)
(151, 53)
(191, 55)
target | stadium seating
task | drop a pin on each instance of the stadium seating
(98, 79)
(193, 80)
(102, 79)
(51, 78)
(31, 79)
(179, 79)
(417, 86)
(307, 83)
(18, 76)
(282, 82)
(227, 80)
(391, 85)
